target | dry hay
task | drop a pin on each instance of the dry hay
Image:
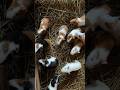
(61, 13)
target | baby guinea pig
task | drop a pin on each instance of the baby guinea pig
(70, 67)
(49, 63)
(53, 85)
(62, 34)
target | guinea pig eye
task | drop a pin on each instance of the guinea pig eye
(46, 62)
(67, 68)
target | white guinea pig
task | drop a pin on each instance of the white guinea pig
(99, 86)
(62, 34)
(77, 47)
(75, 50)
(75, 34)
(70, 67)
(45, 22)
(97, 56)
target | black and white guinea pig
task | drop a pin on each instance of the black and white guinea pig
(53, 85)
(49, 62)
(41, 47)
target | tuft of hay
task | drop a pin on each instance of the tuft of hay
(61, 12)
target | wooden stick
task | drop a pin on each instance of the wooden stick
(37, 79)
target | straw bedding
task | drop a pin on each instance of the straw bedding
(61, 13)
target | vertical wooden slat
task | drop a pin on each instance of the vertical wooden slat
(37, 79)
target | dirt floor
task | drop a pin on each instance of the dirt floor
(61, 14)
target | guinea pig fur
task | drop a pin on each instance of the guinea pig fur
(7, 47)
(38, 46)
(76, 49)
(93, 15)
(78, 21)
(97, 56)
(99, 16)
(44, 25)
(53, 85)
(70, 67)
(99, 86)
(49, 63)
(17, 6)
(42, 48)
(62, 34)
(75, 34)
(104, 43)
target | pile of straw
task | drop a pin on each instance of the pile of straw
(61, 12)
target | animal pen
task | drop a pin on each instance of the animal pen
(60, 12)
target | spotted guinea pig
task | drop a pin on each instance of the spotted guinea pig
(49, 62)
(53, 85)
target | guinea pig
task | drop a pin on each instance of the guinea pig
(75, 34)
(53, 85)
(62, 34)
(93, 15)
(70, 67)
(76, 49)
(41, 48)
(97, 56)
(99, 86)
(49, 63)
(7, 47)
(77, 46)
(99, 16)
(104, 43)
(77, 22)
(17, 6)
(44, 25)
